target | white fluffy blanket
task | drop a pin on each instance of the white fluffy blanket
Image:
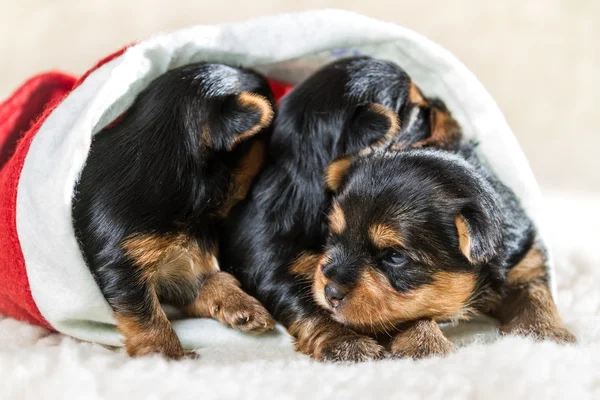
(35, 364)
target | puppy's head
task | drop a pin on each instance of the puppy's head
(216, 105)
(411, 233)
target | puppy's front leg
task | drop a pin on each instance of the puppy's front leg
(143, 323)
(222, 298)
(420, 339)
(154, 268)
(327, 340)
(528, 307)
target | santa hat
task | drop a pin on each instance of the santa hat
(46, 128)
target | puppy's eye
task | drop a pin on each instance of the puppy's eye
(393, 257)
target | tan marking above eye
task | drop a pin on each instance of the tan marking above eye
(384, 236)
(337, 220)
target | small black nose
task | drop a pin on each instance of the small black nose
(334, 294)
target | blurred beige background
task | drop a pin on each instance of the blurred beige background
(540, 59)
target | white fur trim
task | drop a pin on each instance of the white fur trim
(61, 284)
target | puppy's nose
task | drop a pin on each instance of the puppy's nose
(334, 294)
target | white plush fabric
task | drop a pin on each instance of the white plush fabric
(35, 364)
(286, 47)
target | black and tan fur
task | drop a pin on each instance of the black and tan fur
(155, 187)
(274, 238)
(431, 235)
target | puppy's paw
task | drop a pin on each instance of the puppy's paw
(243, 312)
(436, 346)
(170, 350)
(349, 348)
(558, 334)
(421, 339)
(191, 355)
(142, 339)
(222, 298)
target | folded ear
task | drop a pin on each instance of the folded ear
(479, 235)
(445, 132)
(415, 96)
(236, 118)
(335, 173)
(371, 125)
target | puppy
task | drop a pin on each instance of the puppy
(426, 236)
(155, 187)
(273, 239)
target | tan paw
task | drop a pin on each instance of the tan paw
(557, 334)
(433, 346)
(190, 355)
(243, 312)
(420, 339)
(170, 350)
(142, 339)
(349, 348)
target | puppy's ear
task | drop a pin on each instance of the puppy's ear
(415, 96)
(235, 118)
(335, 173)
(479, 235)
(445, 131)
(371, 125)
